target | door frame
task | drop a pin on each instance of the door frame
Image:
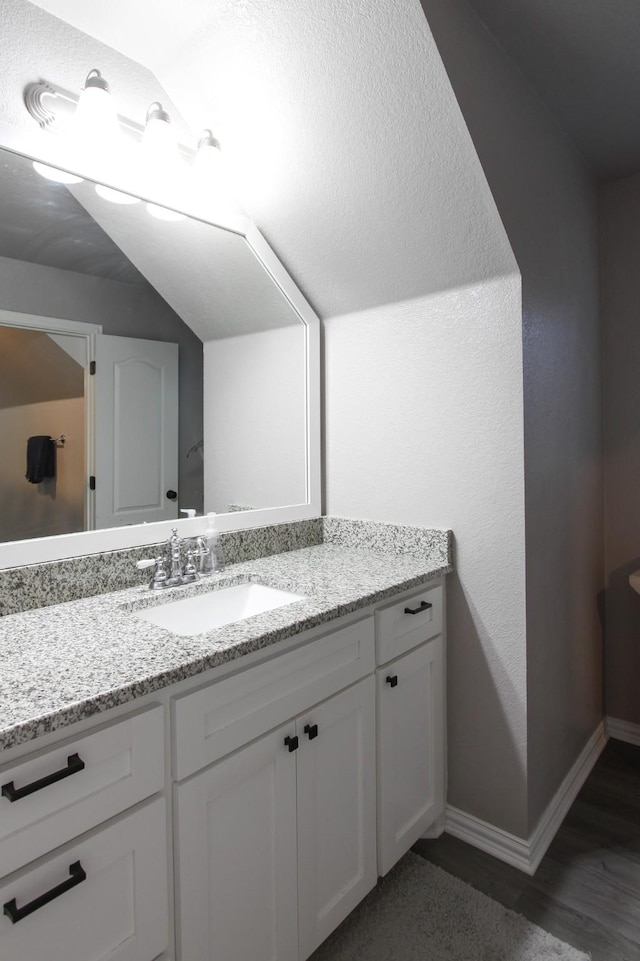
(86, 333)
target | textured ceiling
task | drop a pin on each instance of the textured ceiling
(582, 57)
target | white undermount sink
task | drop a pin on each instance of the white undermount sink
(204, 612)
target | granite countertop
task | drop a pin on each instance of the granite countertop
(73, 660)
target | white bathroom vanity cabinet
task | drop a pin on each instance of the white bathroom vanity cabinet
(239, 814)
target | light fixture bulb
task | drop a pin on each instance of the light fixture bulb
(212, 182)
(115, 196)
(158, 140)
(57, 176)
(209, 160)
(95, 116)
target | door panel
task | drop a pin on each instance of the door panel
(236, 864)
(336, 811)
(136, 435)
(410, 750)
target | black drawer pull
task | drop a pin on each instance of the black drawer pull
(311, 730)
(292, 743)
(74, 765)
(392, 680)
(424, 606)
(11, 909)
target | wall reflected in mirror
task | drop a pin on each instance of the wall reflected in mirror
(240, 392)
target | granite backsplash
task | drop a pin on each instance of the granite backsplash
(40, 585)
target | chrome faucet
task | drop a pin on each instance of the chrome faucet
(197, 556)
(175, 559)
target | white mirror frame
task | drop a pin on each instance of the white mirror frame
(51, 149)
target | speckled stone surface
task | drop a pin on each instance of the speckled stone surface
(248, 545)
(74, 660)
(40, 585)
(389, 538)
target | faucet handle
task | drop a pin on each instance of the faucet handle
(160, 577)
(190, 571)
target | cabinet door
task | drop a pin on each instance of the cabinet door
(336, 811)
(410, 725)
(236, 856)
(101, 898)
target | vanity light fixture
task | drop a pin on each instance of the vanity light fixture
(90, 120)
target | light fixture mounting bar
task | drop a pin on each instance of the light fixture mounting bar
(52, 108)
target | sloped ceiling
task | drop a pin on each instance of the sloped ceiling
(340, 124)
(582, 57)
(34, 369)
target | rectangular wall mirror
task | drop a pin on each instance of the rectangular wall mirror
(172, 362)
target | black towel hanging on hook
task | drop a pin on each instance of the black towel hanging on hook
(41, 458)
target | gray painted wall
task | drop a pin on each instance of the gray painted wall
(126, 310)
(620, 243)
(548, 205)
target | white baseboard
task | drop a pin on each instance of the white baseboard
(502, 845)
(558, 807)
(623, 730)
(527, 854)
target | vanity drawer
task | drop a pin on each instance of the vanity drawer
(105, 772)
(114, 903)
(221, 717)
(398, 631)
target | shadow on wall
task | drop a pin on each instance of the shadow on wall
(479, 689)
(622, 645)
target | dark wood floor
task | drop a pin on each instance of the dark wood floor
(586, 890)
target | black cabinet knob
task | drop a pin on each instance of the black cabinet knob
(392, 680)
(311, 730)
(172, 495)
(292, 743)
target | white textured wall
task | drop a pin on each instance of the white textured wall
(420, 429)
(620, 225)
(254, 420)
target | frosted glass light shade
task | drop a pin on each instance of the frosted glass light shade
(159, 144)
(95, 117)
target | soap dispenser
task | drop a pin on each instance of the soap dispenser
(212, 558)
